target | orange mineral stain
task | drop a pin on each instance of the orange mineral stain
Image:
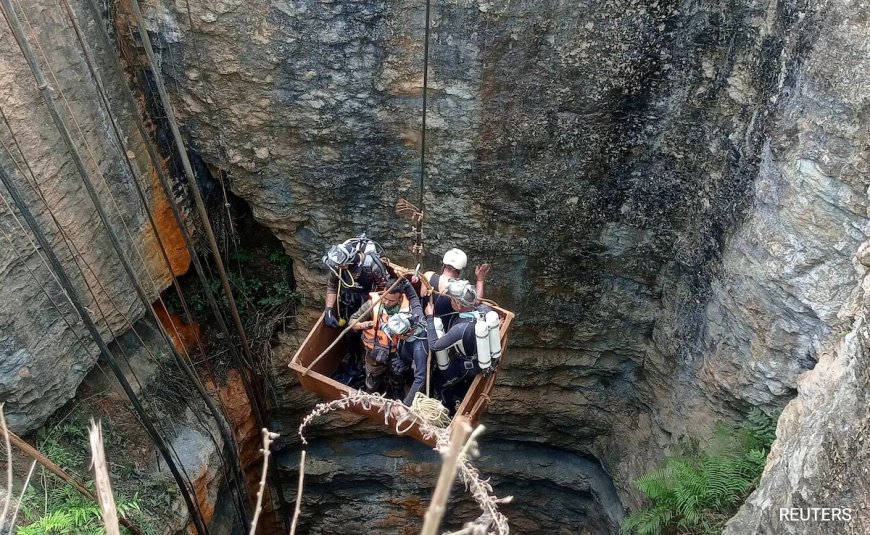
(167, 227)
(184, 335)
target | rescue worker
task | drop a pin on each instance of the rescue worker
(452, 382)
(411, 353)
(452, 264)
(380, 345)
(356, 271)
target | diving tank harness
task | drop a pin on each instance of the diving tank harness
(487, 333)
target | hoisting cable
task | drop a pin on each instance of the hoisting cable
(63, 316)
(42, 85)
(221, 175)
(418, 233)
(183, 364)
(68, 241)
(258, 402)
(77, 257)
(188, 170)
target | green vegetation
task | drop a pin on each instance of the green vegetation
(257, 282)
(64, 510)
(696, 491)
(65, 445)
(51, 506)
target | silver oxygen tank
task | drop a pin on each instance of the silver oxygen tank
(492, 321)
(481, 332)
(441, 357)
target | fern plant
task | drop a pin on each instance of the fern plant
(696, 491)
(67, 512)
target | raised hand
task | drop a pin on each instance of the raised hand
(481, 271)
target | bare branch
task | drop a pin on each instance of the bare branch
(461, 430)
(8, 489)
(101, 477)
(21, 495)
(268, 437)
(298, 493)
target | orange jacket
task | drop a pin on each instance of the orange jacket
(376, 335)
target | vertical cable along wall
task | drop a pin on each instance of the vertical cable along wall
(257, 398)
(227, 436)
(15, 25)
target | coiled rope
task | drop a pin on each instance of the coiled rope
(430, 410)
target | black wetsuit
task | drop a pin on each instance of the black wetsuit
(368, 274)
(415, 354)
(442, 303)
(461, 343)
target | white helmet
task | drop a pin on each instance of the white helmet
(455, 258)
(398, 324)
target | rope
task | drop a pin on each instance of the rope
(418, 242)
(167, 190)
(430, 410)
(77, 257)
(258, 401)
(250, 376)
(92, 329)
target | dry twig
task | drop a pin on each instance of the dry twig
(21, 496)
(298, 493)
(435, 512)
(268, 437)
(64, 476)
(8, 490)
(101, 477)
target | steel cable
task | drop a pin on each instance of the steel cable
(15, 26)
(226, 435)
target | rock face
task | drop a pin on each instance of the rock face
(670, 192)
(820, 457)
(42, 360)
(395, 478)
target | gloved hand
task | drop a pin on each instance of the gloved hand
(380, 355)
(399, 366)
(329, 319)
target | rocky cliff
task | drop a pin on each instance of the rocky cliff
(820, 457)
(42, 361)
(671, 194)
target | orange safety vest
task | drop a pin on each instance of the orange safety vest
(376, 335)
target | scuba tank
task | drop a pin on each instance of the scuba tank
(494, 333)
(441, 357)
(481, 332)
